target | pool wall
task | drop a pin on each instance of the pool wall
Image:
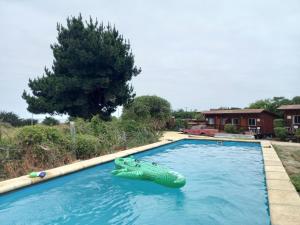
(284, 201)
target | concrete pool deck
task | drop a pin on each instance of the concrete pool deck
(284, 201)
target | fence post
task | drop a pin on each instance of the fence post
(73, 135)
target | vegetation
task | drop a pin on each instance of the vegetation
(230, 128)
(278, 123)
(279, 129)
(297, 134)
(41, 147)
(92, 66)
(272, 104)
(152, 110)
(50, 121)
(14, 120)
(182, 114)
(290, 157)
(281, 133)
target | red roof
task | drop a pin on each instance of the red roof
(234, 111)
(286, 107)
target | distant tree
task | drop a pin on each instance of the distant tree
(50, 121)
(152, 109)
(182, 114)
(14, 120)
(296, 100)
(11, 118)
(270, 104)
(92, 66)
(26, 122)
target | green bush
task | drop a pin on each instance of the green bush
(281, 133)
(30, 135)
(297, 134)
(50, 121)
(33, 135)
(86, 146)
(230, 128)
(180, 124)
(278, 123)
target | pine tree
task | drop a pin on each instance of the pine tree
(92, 66)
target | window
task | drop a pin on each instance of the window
(224, 121)
(235, 121)
(211, 121)
(252, 122)
(296, 119)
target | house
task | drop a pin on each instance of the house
(257, 121)
(291, 115)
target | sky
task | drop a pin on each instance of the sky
(198, 54)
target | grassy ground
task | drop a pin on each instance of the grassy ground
(290, 157)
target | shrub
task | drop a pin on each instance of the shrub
(50, 121)
(86, 146)
(278, 123)
(230, 128)
(180, 124)
(30, 135)
(297, 134)
(34, 135)
(281, 133)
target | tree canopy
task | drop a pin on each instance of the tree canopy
(182, 114)
(272, 104)
(92, 66)
(152, 109)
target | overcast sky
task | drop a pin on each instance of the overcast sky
(197, 54)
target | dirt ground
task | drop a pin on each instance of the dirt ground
(289, 153)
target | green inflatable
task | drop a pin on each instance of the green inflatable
(135, 169)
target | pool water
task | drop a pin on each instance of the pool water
(225, 185)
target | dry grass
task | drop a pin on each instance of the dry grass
(290, 157)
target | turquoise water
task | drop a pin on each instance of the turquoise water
(225, 185)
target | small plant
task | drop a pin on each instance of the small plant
(281, 133)
(230, 128)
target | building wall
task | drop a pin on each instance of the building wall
(288, 116)
(263, 120)
(267, 123)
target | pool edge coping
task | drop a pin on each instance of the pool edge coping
(283, 199)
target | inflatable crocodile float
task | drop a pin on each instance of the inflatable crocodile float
(142, 170)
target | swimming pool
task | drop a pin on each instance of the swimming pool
(225, 185)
